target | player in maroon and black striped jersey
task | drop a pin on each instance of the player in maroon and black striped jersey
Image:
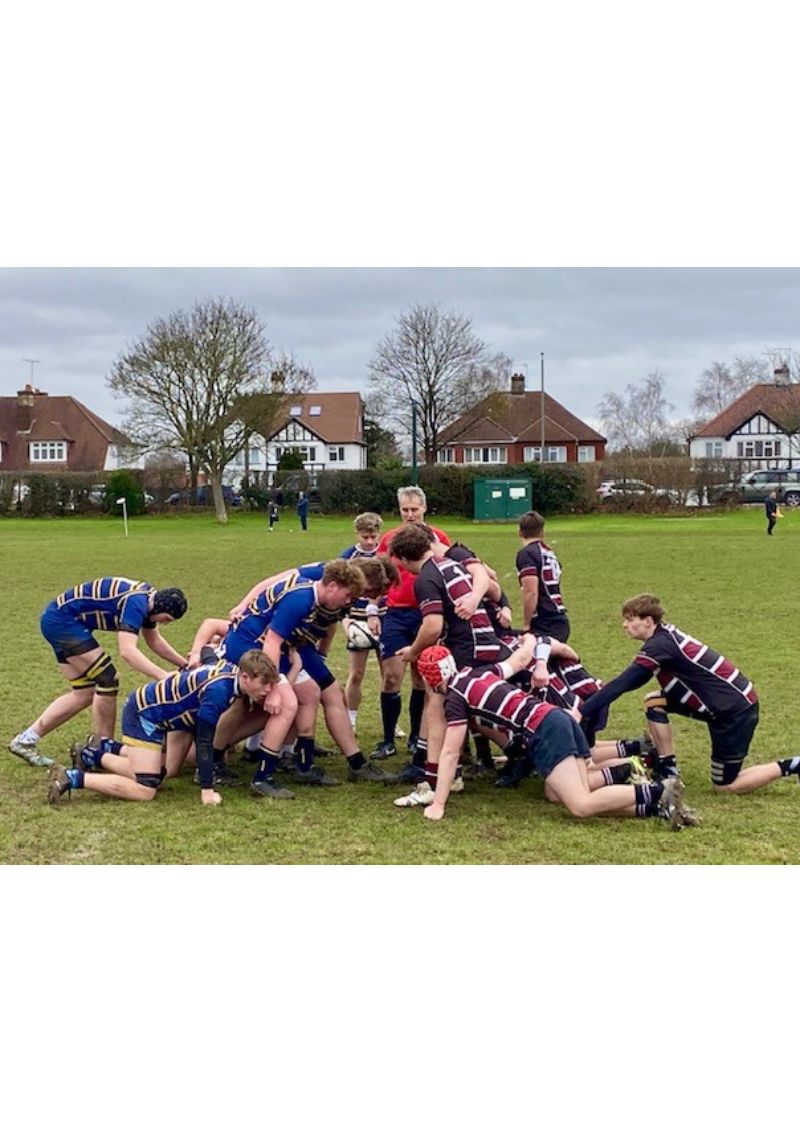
(539, 573)
(698, 682)
(555, 741)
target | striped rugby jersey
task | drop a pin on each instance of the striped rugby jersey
(182, 699)
(108, 604)
(482, 693)
(439, 584)
(537, 560)
(288, 607)
(705, 682)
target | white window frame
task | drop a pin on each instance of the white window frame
(47, 451)
(587, 454)
(713, 450)
(445, 456)
(485, 454)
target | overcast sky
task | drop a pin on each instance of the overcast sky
(600, 328)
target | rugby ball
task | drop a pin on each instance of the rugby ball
(359, 637)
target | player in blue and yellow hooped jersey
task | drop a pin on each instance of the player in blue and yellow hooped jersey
(162, 719)
(118, 605)
(298, 614)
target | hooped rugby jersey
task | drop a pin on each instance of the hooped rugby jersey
(290, 609)
(537, 560)
(108, 604)
(439, 584)
(704, 681)
(183, 699)
(482, 693)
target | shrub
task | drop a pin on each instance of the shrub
(124, 483)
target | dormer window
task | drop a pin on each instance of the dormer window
(48, 451)
(315, 410)
(295, 410)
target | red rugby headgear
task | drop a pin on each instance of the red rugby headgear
(436, 665)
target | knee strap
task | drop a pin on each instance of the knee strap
(152, 781)
(104, 676)
(655, 708)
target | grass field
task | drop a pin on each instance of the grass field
(718, 575)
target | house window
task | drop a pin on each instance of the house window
(713, 449)
(484, 455)
(555, 454)
(255, 455)
(336, 455)
(315, 410)
(586, 453)
(48, 451)
(295, 410)
(758, 449)
(444, 456)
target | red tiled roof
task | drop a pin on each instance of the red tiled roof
(775, 401)
(518, 416)
(54, 418)
(338, 422)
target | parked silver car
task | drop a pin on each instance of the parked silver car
(756, 486)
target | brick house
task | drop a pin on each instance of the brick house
(40, 433)
(507, 429)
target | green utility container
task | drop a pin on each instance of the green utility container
(501, 500)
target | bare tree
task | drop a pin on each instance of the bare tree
(187, 379)
(723, 382)
(637, 421)
(432, 358)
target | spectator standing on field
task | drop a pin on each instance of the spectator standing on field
(773, 510)
(272, 510)
(302, 510)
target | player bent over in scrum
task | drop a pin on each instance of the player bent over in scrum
(185, 707)
(120, 605)
(555, 741)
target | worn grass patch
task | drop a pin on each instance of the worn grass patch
(719, 576)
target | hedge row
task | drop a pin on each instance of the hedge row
(556, 488)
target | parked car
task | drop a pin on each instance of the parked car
(97, 496)
(756, 486)
(205, 497)
(616, 489)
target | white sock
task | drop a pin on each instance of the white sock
(353, 716)
(253, 742)
(287, 749)
(29, 736)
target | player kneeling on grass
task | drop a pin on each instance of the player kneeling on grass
(161, 720)
(696, 682)
(556, 743)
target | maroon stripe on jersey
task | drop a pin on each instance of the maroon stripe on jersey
(430, 606)
(724, 669)
(528, 572)
(645, 661)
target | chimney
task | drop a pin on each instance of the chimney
(781, 374)
(277, 380)
(517, 383)
(25, 402)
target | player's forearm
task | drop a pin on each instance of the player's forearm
(480, 580)
(165, 650)
(428, 635)
(138, 661)
(633, 677)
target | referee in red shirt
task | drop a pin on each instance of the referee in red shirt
(400, 627)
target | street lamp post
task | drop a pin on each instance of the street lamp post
(414, 467)
(541, 362)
